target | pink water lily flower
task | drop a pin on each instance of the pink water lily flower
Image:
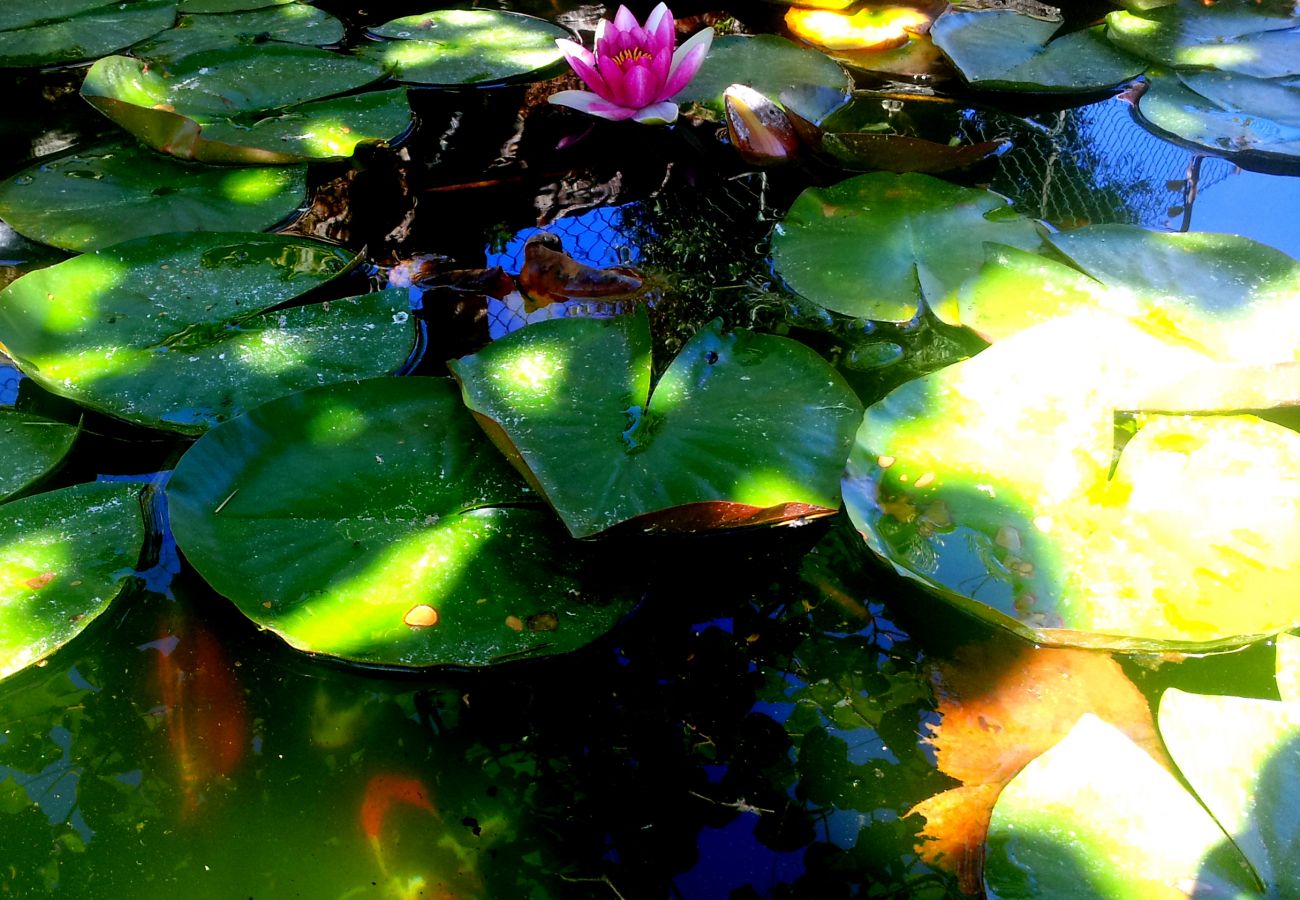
(634, 71)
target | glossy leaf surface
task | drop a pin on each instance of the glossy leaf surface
(114, 192)
(406, 546)
(64, 556)
(173, 331)
(167, 107)
(1003, 49)
(30, 446)
(742, 429)
(1095, 816)
(465, 46)
(295, 23)
(86, 31)
(876, 246)
(1231, 36)
(990, 482)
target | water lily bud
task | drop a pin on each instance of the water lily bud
(759, 129)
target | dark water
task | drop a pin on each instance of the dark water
(754, 730)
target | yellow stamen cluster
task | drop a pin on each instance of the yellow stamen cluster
(631, 54)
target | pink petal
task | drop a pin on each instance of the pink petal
(624, 20)
(687, 61)
(660, 65)
(616, 89)
(592, 104)
(639, 88)
(663, 113)
(662, 28)
(585, 65)
(602, 33)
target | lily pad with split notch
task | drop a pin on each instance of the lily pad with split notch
(742, 429)
(770, 65)
(168, 106)
(465, 46)
(413, 543)
(73, 32)
(994, 484)
(1003, 49)
(182, 331)
(31, 446)
(877, 246)
(114, 192)
(64, 556)
(294, 23)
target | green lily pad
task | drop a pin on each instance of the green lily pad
(64, 556)
(1268, 129)
(876, 246)
(325, 129)
(1228, 296)
(1242, 758)
(1095, 816)
(742, 429)
(990, 482)
(772, 66)
(1230, 35)
(83, 32)
(114, 192)
(26, 15)
(30, 446)
(174, 332)
(1002, 49)
(168, 107)
(465, 46)
(407, 546)
(296, 23)
(228, 6)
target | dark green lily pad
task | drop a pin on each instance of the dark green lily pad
(875, 246)
(465, 46)
(296, 23)
(30, 446)
(1230, 35)
(188, 7)
(64, 556)
(742, 429)
(993, 483)
(1216, 120)
(407, 546)
(26, 15)
(772, 66)
(1002, 49)
(168, 106)
(86, 33)
(1096, 816)
(174, 332)
(114, 192)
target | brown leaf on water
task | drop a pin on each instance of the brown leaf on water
(1003, 703)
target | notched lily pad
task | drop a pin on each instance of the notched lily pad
(770, 65)
(114, 192)
(31, 446)
(877, 246)
(64, 556)
(295, 23)
(991, 483)
(742, 429)
(176, 331)
(171, 108)
(407, 546)
(46, 34)
(1252, 121)
(465, 46)
(1004, 49)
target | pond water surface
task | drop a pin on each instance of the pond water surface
(754, 730)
